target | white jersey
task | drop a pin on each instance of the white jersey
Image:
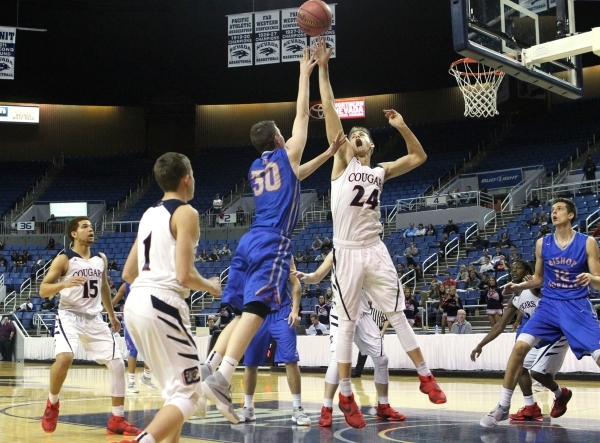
(156, 249)
(526, 302)
(355, 203)
(86, 298)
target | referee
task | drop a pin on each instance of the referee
(382, 323)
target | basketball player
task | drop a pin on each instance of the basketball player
(281, 326)
(261, 263)
(542, 362)
(80, 277)
(360, 259)
(161, 269)
(132, 351)
(566, 264)
(369, 340)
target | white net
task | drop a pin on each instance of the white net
(479, 85)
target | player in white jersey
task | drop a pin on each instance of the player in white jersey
(81, 278)
(361, 260)
(542, 362)
(369, 340)
(160, 268)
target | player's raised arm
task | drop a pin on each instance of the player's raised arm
(311, 166)
(416, 155)
(319, 274)
(296, 143)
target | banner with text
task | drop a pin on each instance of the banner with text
(267, 47)
(19, 114)
(346, 108)
(330, 34)
(500, 179)
(293, 40)
(8, 37)
(240, 40)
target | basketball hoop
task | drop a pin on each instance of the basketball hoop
(479, 85)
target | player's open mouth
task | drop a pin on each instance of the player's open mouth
(358, 142)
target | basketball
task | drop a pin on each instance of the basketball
(314, 17)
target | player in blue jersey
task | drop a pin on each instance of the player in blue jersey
(261, 263)
(567, 263)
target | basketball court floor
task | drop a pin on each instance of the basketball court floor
(85, 406)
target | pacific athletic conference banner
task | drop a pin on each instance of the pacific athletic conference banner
(240, 40)
(8, 37)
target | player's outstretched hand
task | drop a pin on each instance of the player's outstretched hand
(476, 353)
(321, 52)
(339, 140)
(215, 286)
(395, 119)
(584, 279)
(306, 278)
(74, 281)
(510, 288)
(308, 62)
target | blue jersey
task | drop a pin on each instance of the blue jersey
(276, 192)
(562, 266)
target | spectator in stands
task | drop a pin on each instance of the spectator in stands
(225, 250)
(534, 202)
(504, 241)
(329, 297)
(442, 245)
(410, 252)
(3, 261)
(596, 233)
(463, 274)
(240, 217)
(306, 290)
(204, 256)
(478, 244)
(321, 257)
(212, 326)
(462, 326)
(514, 257)
(418, 272)
(217, 205)
(450, 306)
(448, 281)
(484, 285)
(199, 259)
(450, 228)
(498, 255)
(323, 311)
(327, 246)
(430, 230)
(1, 245)
(411, 231)
(26, 305)
(226, 315)
(544, 230)
(400, 269)
(535, 220)
(470, 196)
(316, 292)
(421, 231)
(543, 217)
(411, 306)
(112, 265)
(471, 268)
(51, 244)
(455, 197)
(473, 281)
(14, 257)
(316, 328)
(26, 256)
(317, 243)
(214, 255)
(49, 304)
(20, 261)
(481, 260)
(589, 169)
(113, 288)
(299, 257)
(487, 266)
(7, 334)
(494, 302)
(308, 256)
(51, 224)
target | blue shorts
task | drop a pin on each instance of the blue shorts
(133, 352)
(275, 326)
(575, 319)
(259, 270)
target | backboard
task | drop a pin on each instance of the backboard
(506, 34)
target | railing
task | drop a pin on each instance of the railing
(430, 261)
(11, 298)
(199, 295)
(39, 322)
(16, 320)
(549, 192)
(591, 219)
(118, 226)
(488, 218)
(431, 202)
(471, 231)
(409, 277)
(507, 203)
(452, 245)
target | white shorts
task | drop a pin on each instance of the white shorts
(493, 311)
(547, 359)
(366, 267)
(91, 331)
(159, 325)
(450, 319)
(366, 334)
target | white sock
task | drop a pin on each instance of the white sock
(227, 368)
(53, 398)
(132, 378)
(558, 392)
(346, 387)
(505, 397)
(423, 369)
(144, 437)
(528, 400)
(119, 411)
(213, 360)
(248, 400)
(147, 373)
(383, 400)
(328, 402)
(296, 400)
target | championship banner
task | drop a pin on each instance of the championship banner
(8, 37)
(345, 108)
(330, 34)
(293, 40)
(500, 179)
(267, 46)
(239, 28)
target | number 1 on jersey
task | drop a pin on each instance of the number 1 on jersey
(147, 242)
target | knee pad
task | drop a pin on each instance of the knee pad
(380, 369)
(344, 340)
(405, 333)
(187, 406)
(332, 376)
(116, 379)
(257, 308)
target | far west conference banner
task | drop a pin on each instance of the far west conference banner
(8, 37)
(267, 37)
(500, 179)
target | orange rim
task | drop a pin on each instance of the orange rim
(472, 74)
